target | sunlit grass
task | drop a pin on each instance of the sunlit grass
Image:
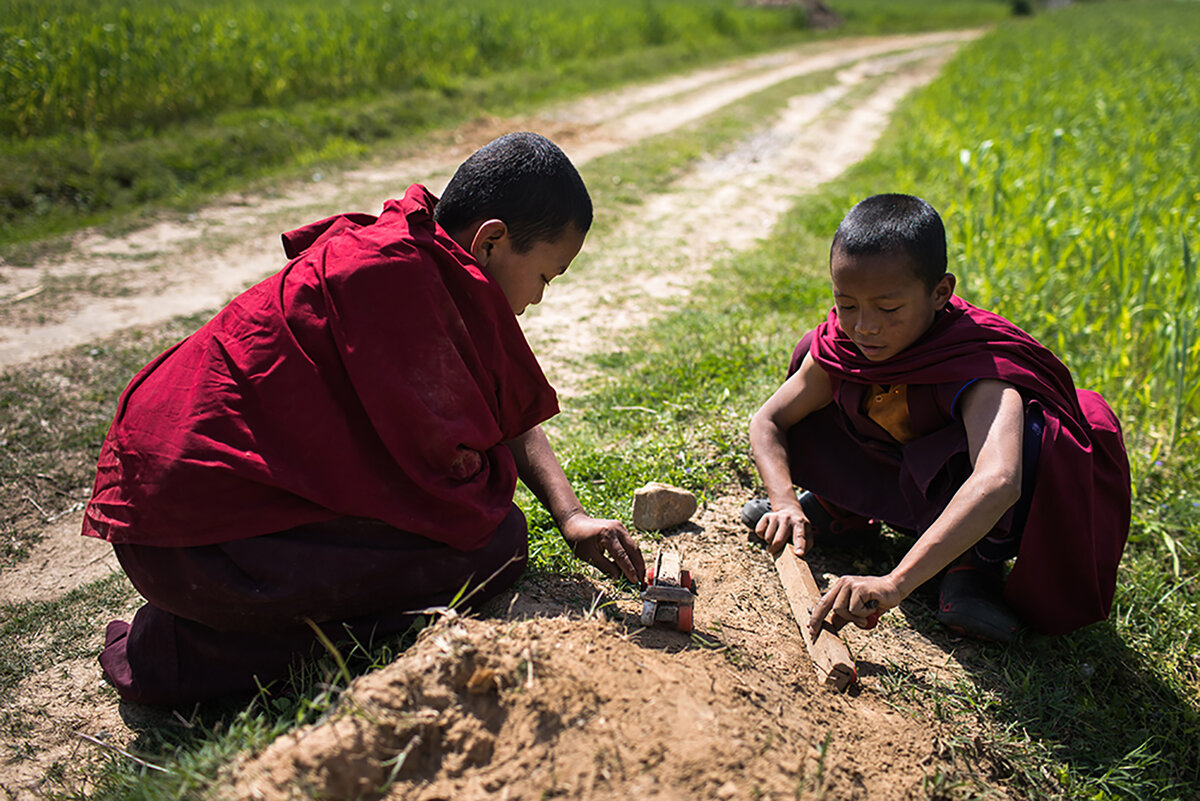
(1064, 186)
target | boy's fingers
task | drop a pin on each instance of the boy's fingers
(634, 554)
(779, 536)
(626, 555)
(606, 565)
(821, 610)
(593, 554)
(624, 562)
(849, 604)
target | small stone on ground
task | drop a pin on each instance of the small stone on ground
(658, 506)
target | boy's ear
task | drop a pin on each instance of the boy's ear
(489, 234)
(943, 290)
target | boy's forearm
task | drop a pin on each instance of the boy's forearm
(973, 511)
(602, 543)
(769, 448)
(540, 470)
(993, 416)
(803, 393)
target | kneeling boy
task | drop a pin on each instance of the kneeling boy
(340, 445)
(910, 406)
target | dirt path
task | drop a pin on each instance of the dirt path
(104, 284)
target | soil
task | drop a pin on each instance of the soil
(556, 690)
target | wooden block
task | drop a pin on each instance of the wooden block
(668, 568)
(829, 654)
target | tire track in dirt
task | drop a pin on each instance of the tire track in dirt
(617, 287)
(176, 267)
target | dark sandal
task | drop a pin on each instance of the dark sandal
(971, 603)
(754, 510)
(845, 529)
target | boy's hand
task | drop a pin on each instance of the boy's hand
(777, 527)
(594, 541)
(855, 599)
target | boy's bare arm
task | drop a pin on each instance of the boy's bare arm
(806, 391)
(591, 539)
(993, 415)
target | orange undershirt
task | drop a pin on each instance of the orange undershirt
(888, 406)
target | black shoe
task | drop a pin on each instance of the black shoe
(971, 603)
(753, 511)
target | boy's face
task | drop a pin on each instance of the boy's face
(523, 277)
(881, 303)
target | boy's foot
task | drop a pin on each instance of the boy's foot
(832, 526)
(971, 602)
(753, 511)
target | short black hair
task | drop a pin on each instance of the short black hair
(523, 179)
(894, 223)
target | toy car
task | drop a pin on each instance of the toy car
(670, 593)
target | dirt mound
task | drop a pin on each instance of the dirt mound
(546, 707)
(566, 695)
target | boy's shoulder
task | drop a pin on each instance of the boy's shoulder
(982, 327)
(405, 216)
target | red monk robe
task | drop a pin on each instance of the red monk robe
(376, 376)
(1079, 512)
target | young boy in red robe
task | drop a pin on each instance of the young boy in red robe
(910, 406)
(340, 445)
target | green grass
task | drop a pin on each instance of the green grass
(37, 634)
(110, 66)
(1086, 238)
(105, 106)
(1070, 208)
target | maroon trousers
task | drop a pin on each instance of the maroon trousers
(222, 619)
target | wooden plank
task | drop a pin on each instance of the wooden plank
(829, 654)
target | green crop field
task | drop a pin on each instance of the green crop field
(1075, 200)
(142, 67)
(108, 106)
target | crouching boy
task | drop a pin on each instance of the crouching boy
(910, 406)
(340, 445)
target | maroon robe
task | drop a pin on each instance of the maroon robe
(376, 376)
(1079, 512)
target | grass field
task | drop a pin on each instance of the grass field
(1068, 191)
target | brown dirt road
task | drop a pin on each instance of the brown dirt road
(757, 724)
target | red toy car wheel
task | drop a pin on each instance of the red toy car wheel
(685, 618)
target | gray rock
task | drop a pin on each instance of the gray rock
(657, 506)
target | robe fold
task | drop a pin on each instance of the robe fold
(1079, 513)
(377, 375)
